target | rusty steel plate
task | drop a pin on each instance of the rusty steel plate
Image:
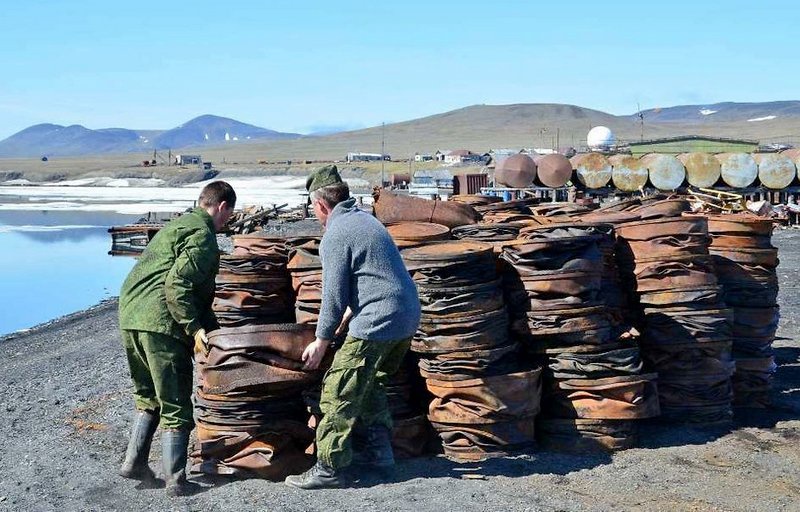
(479, 442)
(628, 173)
(749, 242)
(662, 208)
(578, 435)
(553, 170)
(648, 229)
(765, 257)
(410, 233)
(700, 295)
(625, 397)
(663, 247)
(740, 224)
(665, 171)
(475, 199)
(702, 169)
(738, 170)
(775, 171)
(256, 245)
(592, 169)
(610, 217)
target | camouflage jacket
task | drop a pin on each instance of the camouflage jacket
(170, 290)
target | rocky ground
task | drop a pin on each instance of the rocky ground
(65, 415)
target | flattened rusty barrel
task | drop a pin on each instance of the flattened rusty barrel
(702, 169)
(666, 172)
(775, 171)
(578, 435)
(628, 173)
(475, 199)
(592, 169)
(553, 170)
(516, 171)
(413, 234)
(738, 170)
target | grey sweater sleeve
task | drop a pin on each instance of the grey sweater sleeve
(335, 288)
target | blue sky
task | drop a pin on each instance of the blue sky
(295, 66)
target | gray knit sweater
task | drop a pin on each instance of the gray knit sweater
(362, 268)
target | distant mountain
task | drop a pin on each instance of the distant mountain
(724, 112)
(53, 139)
(208, 129)
(56, 140)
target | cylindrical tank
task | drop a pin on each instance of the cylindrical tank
(702, 169)
(666, 172)
(592, 169)
(775, 171)
(628, 173)
(793, 154)
(738, 170)
(396, 180)
(516, 171)
(553, 170)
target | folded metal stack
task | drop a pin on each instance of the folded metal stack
(305, 268)
(746, 262)
(253, 283)
(686, 328)
(413, 234)
(506, 211)
(249, 412)
(594, 388)
(485, 397)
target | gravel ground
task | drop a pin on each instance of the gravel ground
(66, 409)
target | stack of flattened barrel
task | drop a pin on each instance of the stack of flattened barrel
(484, 398)
(686, 328)
(746, 264)
(252, 283)
(305, 268)
(594, 387)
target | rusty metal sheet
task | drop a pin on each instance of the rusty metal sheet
(390, 207)
(488, 233)
(749, 242)
(649, 229)
(592, 169)
(412, 234)
(553, 170)
(628, 173)
(666, 247)
(259, 245)
(610, 217)
(767, 258)
(665, 171)
(702, 169)
(752, 382)
(461, 301)
(475, 199)
(479, 442)
(775, 171)
(701, 295)
(451, 263)
(738, 170)
(516, 171)
(680, 272)
(477, 332)
(577, 435)
(554, 323)
(613, 398)
(688, 357)
(741, 224)
(662, 208)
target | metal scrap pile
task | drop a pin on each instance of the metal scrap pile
(685, 325)
(250, 416)
(305, 268)
(485, 397)
(594, 388)
(746, 264)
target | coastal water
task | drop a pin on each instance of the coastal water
(56, 262)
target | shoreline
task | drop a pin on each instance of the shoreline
(55, 323)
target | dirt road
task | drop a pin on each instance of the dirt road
(65, 415)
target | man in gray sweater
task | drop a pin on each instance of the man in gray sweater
(364, 282)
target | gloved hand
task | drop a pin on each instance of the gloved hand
(201, 341)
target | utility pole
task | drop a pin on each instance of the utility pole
(383, 153)
(641, 120)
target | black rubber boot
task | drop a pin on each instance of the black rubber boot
(135, 465)
(319, 476)
(372, 450)
(174, 444)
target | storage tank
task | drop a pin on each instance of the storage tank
(553, 170)
(600, 137)
(738, 170)
(628, 173)
(702, 169)
(666, 172)
(592, 169)
(516, 171)
(775, 171)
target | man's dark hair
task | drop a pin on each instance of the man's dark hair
(216, 192)
(333, 194)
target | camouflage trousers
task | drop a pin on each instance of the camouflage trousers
(353, 390)
(161, 370)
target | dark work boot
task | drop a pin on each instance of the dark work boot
(135, 464)
(372, 450)
(320, 476)
(174, 444)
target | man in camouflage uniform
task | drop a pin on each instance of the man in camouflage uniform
(365, 283)
(164, 309)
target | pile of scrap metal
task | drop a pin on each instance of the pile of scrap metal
(251, 219)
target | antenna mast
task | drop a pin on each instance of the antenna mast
(383, 152)
(641, 120)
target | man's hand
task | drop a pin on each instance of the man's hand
(314, 353)
(201, 341)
